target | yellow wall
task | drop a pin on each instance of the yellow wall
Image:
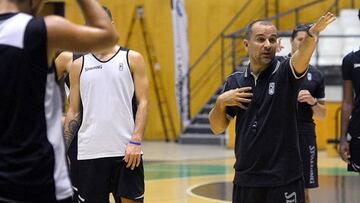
(307, 15)
(325, 129)
(159, 26)
(206, 21)
(207, 18)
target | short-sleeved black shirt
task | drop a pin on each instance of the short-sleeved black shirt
(267, 144)
(314, 83)
(351, 71)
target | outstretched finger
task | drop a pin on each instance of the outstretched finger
(138, 161)
(324, 21)
(244, 89)
(130, 162)
(329, 18)
(243, 106)
(243, 100)
(246, 94)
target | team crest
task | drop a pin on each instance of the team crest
(271, 88)
(309, 76)
(121, 66)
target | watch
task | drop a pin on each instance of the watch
(307, 30)
(316, 102)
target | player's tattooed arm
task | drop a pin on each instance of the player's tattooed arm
(71, 129)
(73, 116)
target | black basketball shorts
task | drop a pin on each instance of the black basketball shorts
(292, 192)
(97, 178)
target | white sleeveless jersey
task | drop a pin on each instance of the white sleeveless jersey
(106, 90)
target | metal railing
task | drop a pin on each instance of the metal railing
(217, 56)
(239, 34)
(224, 53)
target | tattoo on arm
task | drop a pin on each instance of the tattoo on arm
(71, 130)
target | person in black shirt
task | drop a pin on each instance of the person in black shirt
(350, 111)
(311, 101)
(263, 99)
(32, 151)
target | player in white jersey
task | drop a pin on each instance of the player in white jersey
(109, 139)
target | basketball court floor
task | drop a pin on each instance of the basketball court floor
(176, 173)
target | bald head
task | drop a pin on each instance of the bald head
(248, 30)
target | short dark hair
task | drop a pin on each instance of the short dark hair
(107, 10)
(300, 28)
(248, 29)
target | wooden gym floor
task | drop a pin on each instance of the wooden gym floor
(176, 173)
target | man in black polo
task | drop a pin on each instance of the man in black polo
(263, 98)
(350, 111)
(311, 102)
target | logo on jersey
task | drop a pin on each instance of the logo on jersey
(93, 68)
(356, 65)
(271, 88)
(312, 151)
(309, 76)
(121, 66)
(290, 198)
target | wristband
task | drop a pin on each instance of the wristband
(134, 143)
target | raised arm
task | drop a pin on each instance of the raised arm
(73, 115)
(141, 82)
(63, 63)
(301, 58)
(97, 35)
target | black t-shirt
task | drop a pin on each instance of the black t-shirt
(267, 145)
(351, 71)
(314, 83)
